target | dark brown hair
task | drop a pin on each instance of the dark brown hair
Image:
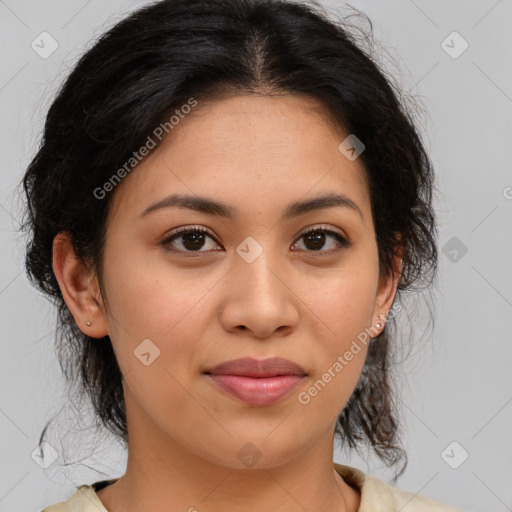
(148, 65)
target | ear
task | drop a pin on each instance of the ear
(387, 289)
(79, 288)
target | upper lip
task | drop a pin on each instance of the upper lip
(249, 367)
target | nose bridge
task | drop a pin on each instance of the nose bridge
(258, 268)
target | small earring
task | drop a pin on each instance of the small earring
(379, 325)
(88, 323)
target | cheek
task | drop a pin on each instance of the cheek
(148, 300)
(343, 304)
(342, 314)
(152, 297)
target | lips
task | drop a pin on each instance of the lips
(256, 382)
(250, 367)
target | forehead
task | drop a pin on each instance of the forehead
(253, 151)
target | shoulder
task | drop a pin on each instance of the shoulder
(84, 499)
(405, 500)
(377, 496)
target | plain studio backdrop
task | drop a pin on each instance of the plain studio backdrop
(456, 400)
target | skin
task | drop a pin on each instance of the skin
(257, 154)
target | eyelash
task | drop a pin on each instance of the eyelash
(176, 234)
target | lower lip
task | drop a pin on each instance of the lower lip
(256, 390)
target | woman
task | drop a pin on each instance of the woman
(227, 203)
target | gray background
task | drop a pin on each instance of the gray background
(459, 384)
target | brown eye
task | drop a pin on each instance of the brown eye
(190, 240)
(316, 239)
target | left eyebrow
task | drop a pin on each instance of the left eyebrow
(216, 208)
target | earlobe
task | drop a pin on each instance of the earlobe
(79, 289)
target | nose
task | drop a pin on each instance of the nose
(258, 298)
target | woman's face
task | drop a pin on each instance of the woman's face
(251, 286)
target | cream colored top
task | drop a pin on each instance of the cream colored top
(376, 496)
